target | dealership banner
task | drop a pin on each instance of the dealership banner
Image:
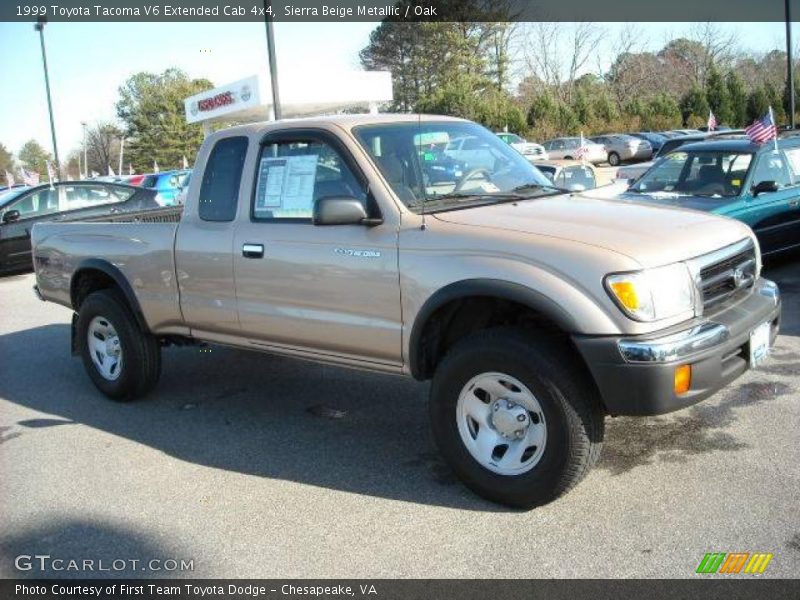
(383, 589)
(174, 11)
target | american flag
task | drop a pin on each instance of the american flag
(712, 121)
(30, 177)
(763, 129)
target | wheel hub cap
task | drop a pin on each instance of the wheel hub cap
(501, 423)
(105, 348)
(511, 420)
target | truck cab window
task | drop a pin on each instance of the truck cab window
(219, 192)
(293, 175)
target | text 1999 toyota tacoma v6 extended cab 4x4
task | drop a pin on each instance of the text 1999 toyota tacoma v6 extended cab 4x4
(534, 312)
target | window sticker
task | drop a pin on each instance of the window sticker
(286, 185)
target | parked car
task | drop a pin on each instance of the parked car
(655, 139)
(534, 313)
(734, 178)
(166, 184)
(633, 172)
(528, 149)
(566, 147)
(574, 176)
(183, 191)
(621, 147)
(21, 209)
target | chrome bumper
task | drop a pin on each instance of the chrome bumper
(685, 343)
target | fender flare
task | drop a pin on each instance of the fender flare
(105, 267)
(491, 288)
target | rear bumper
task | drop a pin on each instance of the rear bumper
(635, 375)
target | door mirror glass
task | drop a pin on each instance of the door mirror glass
(11, 216)
(338, 211)
(765, 186)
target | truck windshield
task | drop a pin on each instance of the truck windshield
(702, 173)
(450, 164)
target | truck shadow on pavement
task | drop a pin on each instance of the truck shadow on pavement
(75, 539)
(249, 413)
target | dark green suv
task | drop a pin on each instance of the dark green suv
(733, 177)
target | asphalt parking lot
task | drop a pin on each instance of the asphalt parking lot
(256, 466)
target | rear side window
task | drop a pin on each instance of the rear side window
(219, 192)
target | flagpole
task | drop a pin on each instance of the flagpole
(775, 139)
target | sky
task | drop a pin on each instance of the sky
(88, 62)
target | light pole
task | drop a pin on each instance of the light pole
(85, 162)
(273, 69)
(789, 61)
(40, 28)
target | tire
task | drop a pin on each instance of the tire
(569, 415)
(613, 159)
(567, 158)
(138, 363)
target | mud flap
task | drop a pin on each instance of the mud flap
(73, 341)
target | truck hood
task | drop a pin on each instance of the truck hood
(651, 235)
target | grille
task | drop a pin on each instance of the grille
(727, 274)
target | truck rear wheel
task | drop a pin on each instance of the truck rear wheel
(122, 361)
(515, 417)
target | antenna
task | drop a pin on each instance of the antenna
(424, 226)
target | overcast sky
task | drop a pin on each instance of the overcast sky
(89, 61)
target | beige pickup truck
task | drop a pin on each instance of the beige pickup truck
(359, 241)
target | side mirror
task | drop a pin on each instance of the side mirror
(11, 216)
(340, 210)
(764, 186)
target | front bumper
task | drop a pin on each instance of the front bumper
(635, 375)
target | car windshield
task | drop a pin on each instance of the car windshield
(7, 196)
(449, 165)
(513, 139)
(702, 173)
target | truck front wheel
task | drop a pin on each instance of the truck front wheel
(515, 417)
(122, 361)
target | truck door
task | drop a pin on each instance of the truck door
(326, 290)
(204, 243)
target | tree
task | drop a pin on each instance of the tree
(35, 158)
(694, 104)
(6, 162)
(757, 104)
(719, 100)
(776, 102)
(151, 109)
(425, 56)
(102, 147)
(491, 107)
(738, 98)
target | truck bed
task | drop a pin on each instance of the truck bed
(139, 245)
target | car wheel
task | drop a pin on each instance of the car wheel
(516, 417)
(567, 158)
(122, 361)
(613, 159)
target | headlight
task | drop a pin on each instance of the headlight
(653, 294)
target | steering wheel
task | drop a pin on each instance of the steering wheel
(473, 173)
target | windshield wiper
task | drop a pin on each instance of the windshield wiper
(538, 186)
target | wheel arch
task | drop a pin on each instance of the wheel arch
(94, 274)
(487, 290)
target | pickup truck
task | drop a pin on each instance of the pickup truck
(534, 312)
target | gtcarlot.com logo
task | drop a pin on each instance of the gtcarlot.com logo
(45, 562)
(734, 562)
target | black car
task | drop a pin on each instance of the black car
(20, 209)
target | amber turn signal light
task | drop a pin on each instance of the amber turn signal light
(683, 379)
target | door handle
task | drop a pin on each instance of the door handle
(253, 250)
